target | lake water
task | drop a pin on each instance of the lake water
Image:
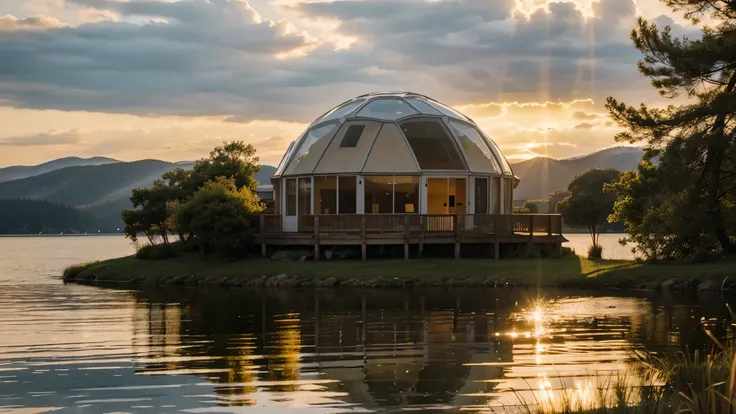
(71, 348)
(612, 249)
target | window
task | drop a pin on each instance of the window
(343, 110)
(325, 195)
(379, 194)
(352, 136)
(309, 158)
(498, 153)
(389, 109)
(406, 194)
(389, 194)
(481, 195)
(448, 111)
(423, 106)
(496, 195)
(508, 192)
(432, 145)
(347, 191)
(289, 152)
(479, 155)
(305, 196)
(291, 197)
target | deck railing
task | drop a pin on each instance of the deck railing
(271, 223)
(532, 224)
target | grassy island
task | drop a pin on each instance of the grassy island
(569, 271)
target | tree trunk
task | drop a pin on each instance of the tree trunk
(715, 155)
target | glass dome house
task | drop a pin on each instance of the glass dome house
(392, 153)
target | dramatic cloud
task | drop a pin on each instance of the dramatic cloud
(534, 73)
(220, 57)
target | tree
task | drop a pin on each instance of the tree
(221, 216)
(588, 205)
(156, 208)
(234, 160)
(691, 189)
(149, 214)
(554, 198)
(531, 206)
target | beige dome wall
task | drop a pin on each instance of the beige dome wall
(390, 153)
(342, 160)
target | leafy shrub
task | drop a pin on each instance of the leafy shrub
(595, 251)
(158, 251)
(222, 217)
(568, 252)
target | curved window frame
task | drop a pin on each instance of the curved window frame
(424, 101)
(387, 98)
(289, 154)
(502, 161)
(330, 115)
(448, 111)
(483, 143)
(288, 170)
(280, 167)
(441, 121)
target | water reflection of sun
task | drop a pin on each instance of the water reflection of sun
(544, 376)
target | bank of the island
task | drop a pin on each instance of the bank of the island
(569, 271)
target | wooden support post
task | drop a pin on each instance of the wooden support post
(549, 225)
(406, 237)
(363, 247)
(316, 237)
(496, 236)
(531, 225)
(263, 235)
(456, 219)
(422, 229)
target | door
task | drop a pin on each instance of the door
(297, 201)
(457, 199)
(445, 196)
(291, 219)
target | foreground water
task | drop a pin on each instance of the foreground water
(86, 349)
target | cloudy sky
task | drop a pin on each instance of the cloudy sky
(166, 79)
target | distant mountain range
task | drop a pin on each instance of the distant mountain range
(541, 176)
(22, 171)
(97, 187)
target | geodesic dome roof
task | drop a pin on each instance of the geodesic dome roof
(392, 133)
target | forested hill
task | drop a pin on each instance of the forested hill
(18, 172)
(88, 185)
(541, 176)
(95, 185)
(82, 198)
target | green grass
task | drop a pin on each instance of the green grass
(193, 269)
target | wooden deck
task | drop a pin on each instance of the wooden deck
(413, 229)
